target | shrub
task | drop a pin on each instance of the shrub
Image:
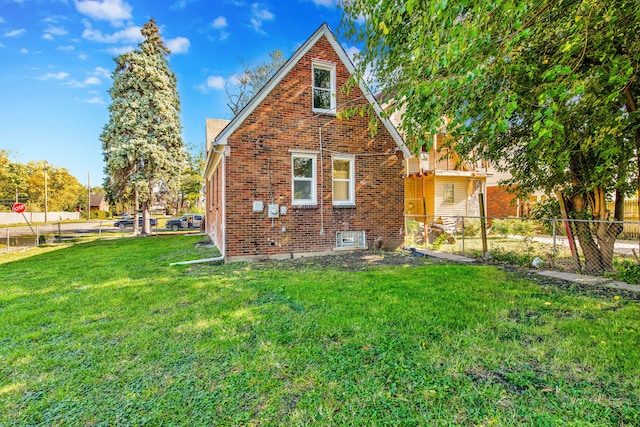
(626, 271)
(471, 227)
(512, 258)
(502, 227)
(100, 215)
(442, 237)
(518, 227)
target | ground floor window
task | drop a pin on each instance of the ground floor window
(448, 194)
(303, 179)
(343, 180)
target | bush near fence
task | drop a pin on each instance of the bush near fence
(520, 241)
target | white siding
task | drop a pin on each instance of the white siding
(459, 207)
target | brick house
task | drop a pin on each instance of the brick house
(98, 202)
(288, 177)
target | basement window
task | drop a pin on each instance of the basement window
(350, 239)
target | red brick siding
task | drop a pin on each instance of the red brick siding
(213, 222)
(501, 203)
(259, 150)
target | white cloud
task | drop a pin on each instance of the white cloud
(352, 52)
(257, 25)
(219, 23)
(24, 50)
(262, 14)
(178, 45)
(15, 33)
(54, 76)
(259, 15)
(1, 20)
(74, 84)
(114, 11)
(102, 72)
(94, 100)
(128, 35)
(55, 31)
(236, 79)
(180, 4)
(215, 82)
(67, 48)
(82, 57)
(47, 37)
(120, 50)
(212, 82)
(91, 81)
(325, 3)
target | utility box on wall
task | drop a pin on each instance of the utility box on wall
(273, 211)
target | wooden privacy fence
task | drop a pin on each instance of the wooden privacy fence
(631, 218)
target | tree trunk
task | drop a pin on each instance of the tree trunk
(135, 212)
(146, 225)
(598, 252)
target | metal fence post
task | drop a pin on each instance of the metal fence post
(463, 220)
(8, 241)
(553, 221)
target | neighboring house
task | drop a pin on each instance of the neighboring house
(288, 177)
(439, 186)
(98, 202)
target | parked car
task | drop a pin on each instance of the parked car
(185, 221)
(128, 222)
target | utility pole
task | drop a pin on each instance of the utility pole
(89, 196)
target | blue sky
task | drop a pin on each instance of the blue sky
(56, 61)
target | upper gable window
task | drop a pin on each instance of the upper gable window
(324, 87)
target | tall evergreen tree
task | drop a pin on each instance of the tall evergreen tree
(142, 142)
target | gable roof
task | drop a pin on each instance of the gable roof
(324, 30)
(96, 199)
(213, 128)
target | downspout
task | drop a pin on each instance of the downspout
(223, 160)
(224, 220)
(321, 184)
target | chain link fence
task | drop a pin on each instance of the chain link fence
(23, 237)
(602, 248)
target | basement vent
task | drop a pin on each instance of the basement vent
(350, 239)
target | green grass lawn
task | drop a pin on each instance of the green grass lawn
(107, 333)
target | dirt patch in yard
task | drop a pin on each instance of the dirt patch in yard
(352, 261)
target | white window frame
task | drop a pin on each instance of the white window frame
(313, 180)
(351, 180)
(452, 187)
(331, 67)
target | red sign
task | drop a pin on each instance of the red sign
(18, 207)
